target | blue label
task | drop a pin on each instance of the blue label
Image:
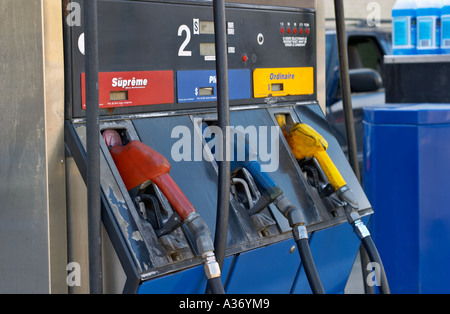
(445, 32)
(197, 86)
(425, 32)
(401, 31)
(425, 28)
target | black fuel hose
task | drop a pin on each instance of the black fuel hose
(223, 117)
(367, 242)
(223, 120)
(345, 87)
(374, 257)
(300, 235)
(93, 149)
(309, 266)
(216, 286)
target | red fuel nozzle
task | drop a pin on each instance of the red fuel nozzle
(112, 138)
(138, 163)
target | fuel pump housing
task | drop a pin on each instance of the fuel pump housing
(158, 87)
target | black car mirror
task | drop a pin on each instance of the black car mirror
(365, 80)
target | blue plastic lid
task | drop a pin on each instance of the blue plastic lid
(428, 11)
(413, 114)
(403, 12)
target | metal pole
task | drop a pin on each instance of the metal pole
(345, 86)
(93, 148)
(348, 115)
(223, 115)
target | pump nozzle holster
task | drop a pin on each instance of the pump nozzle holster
(138, 163)
(245, 156)
(306, 142)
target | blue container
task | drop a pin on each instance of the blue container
(445, 27)
(428, 26)
(406, 178)
(404, 30)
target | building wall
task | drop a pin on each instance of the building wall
(32, 193)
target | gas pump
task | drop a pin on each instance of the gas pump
(270, 193)
(306, 144)
(158, 101)
(139, 165)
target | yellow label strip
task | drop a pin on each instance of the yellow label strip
(283, 82)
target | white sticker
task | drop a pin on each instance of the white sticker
(295, 41)
(81, 43)
(196, 26)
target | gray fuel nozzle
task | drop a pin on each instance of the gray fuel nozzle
(351, 207)
(345, 194)
(200, 231)
(210, 265)
(205, 247)
(293, 215)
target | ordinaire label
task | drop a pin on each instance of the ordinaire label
(139, 88)
(274, 82)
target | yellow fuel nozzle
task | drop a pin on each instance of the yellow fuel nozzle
(305, 142)
(281, 119)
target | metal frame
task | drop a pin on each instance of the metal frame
(109, 221)
(76, 149)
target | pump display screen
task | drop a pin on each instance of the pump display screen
(206, 91)
(118, 95)
(206, 27)
(207, 49)
(277, 87)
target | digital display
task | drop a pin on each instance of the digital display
(277, 87)
(118, 95)
(207, 49)
(206, 27)
(206, 91)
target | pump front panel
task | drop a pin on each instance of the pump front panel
(161, 57)
(158, 86)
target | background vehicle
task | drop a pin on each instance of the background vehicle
(366, 49)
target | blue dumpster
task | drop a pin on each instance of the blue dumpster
(407, 180)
